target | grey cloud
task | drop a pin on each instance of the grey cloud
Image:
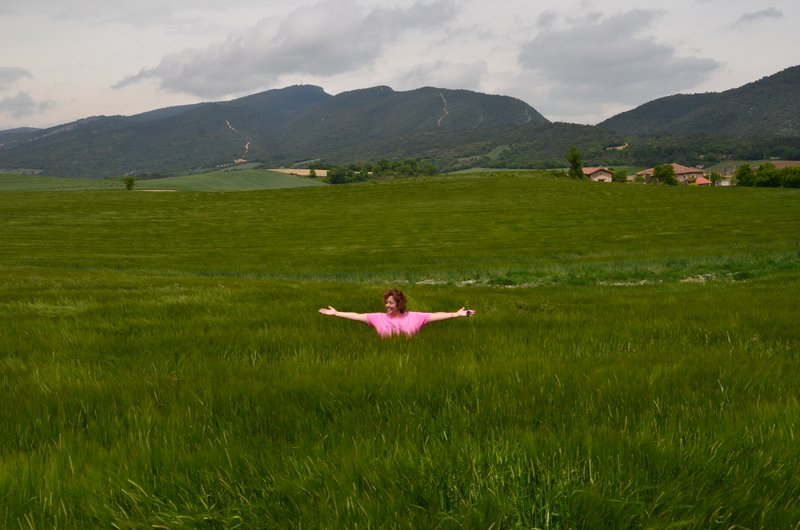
(749, 18)
(611, 60)
(444, 75)
(22, 105)
(546, 19)
(10, 75)
(93, 9)
(328, 38)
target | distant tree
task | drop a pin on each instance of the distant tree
(382, 168)
(665, 174)
(575, 162)
(744, 175)
(714, 178)
(312, 172)
(426, 168)
(338, 175)
(129, 183)
(767, 176)
(619, 175)
(790, 177)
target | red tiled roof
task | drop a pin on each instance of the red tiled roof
(591, 170)
(677, 168)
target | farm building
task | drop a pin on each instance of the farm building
(683, 174)
(598, 174)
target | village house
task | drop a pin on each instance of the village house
(598, 174)
(683, 174)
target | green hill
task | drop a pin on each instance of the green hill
(769, 106)
(178, 138)
(276, 127)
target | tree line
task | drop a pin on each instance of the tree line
(767, 176)
(381, 168)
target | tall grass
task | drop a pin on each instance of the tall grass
(162, 363)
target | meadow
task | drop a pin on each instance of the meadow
(633, 362)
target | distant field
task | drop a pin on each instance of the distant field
(302, 172)
(728, 167)
(479, 170)
(226, 180)
(630, 170)
(14, 182)
(633, 362)
(230, 180)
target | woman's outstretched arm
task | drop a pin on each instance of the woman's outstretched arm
(435, 317)
(330, 311)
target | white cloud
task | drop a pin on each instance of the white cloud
(326, 39)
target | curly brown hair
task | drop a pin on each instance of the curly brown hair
(399, 298)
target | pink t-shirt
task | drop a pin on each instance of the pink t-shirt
(408, 323)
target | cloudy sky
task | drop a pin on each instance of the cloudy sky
(578, 61)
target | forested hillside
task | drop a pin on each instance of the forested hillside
(769, 106)
(275, 127)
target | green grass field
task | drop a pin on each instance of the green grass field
(16, 182)
(633, 362)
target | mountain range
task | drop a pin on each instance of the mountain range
(452, 128)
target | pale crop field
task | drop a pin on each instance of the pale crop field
(633, 362)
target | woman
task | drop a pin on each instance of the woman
(396, 320)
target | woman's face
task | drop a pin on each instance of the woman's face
(390, 305)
